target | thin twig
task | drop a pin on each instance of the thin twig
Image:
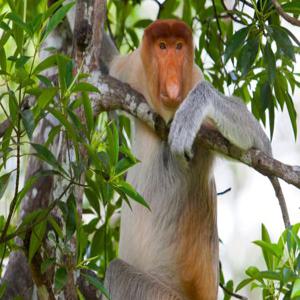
(218, 22)
(230, 13)
(286, 16)
(232, 294)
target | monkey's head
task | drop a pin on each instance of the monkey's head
(167, 54)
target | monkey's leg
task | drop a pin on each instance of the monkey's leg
(125, 282)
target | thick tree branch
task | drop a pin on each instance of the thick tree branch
(117, 95)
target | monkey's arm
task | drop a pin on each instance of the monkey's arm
(229, 115)
(124, 281)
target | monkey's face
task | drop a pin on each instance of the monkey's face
(167, 55)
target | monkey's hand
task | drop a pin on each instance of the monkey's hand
(229, 115)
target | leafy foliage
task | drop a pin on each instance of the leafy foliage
(252, 54)
(281, 278)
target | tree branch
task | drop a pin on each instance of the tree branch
(286, 16)
(117, 95)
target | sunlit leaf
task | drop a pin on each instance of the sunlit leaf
(125, 187)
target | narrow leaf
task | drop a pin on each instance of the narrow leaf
(28, 122)
(57, 18)
(36, 238)
(97, 284)
(235, 43)
(4, 180)
(60, 279)
(126, 188)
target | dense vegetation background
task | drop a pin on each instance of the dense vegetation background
(62, 171)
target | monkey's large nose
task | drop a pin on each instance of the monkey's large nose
(173, 91)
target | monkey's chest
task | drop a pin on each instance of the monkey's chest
(169, 190)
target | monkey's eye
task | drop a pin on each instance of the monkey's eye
(178, 46)
(162, 45)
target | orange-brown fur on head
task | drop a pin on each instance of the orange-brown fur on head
(168, 56)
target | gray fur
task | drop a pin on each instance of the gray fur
(229, 115)
(131, 280)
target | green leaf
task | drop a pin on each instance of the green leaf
(44, 154)
(4, 180)
(85, 87)
(187, 12)
(98, 242)
(47, 63)
(265, 96)
(296, 289)
(5, 143)
(125, 187)
(71, 217)
(21, 61)
(18, 21)
(113, 143)
(142, 23)
(253, 272)
(60, 279)
(269, 59)
(248, 55)
(123, 165)
(65, 76)
(229, 287)
(93, 199)
(52, 9)
(57, 18)
(28, 122)
(45, 97)
(82, 242)
(65, 122)
(291, 7)
(55, 226)
(266, 238)
(36, 238)
(45, 80)
(88, 111)
(292, 112)
(133, 37)
(3, 59)
(270, 275)
(13, 107)
(97, 284)
(243, 283)
(282, 40)
(52, 134)
(235, 43)
(269, 248)
(169, 8)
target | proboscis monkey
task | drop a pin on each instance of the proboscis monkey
(171, 252)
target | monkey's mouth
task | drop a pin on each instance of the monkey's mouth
(169, 102)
